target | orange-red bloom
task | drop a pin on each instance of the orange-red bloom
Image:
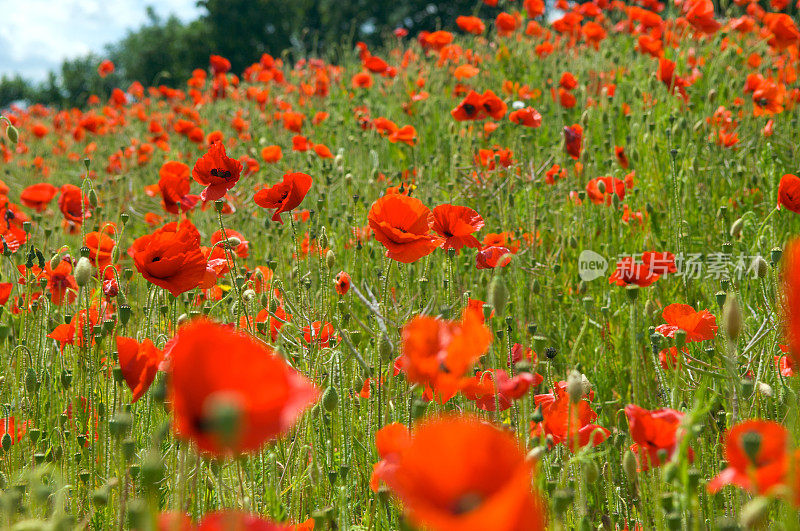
(699, 326)
(284, 196)
(757, 452)
(789, 192)
(139, 363)
(402, 224)
(72, 203)
(653, 432)
(573, 138)
(568, 423)
(456, 224)
(171, 257)
(38, 196)
(231, 393)
(459, 473)
(438, 353)
(217, 172)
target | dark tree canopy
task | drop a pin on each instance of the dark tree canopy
(165, 51)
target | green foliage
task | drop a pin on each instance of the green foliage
(165, 51)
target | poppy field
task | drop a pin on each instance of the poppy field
(536, 273)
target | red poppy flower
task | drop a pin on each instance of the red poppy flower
(492, 105)
(105, 67)
(174, 184)
(701, 16)
(660, 263)
(790, 273)
(219, 65)
(470, 108)
(402, 224)
(72, 203)
(217, 172)
(472, 25)
(319, 333)
(460, 473)
(789, 193)
(493, 256)
(5, 292)
(573, 138)
(652, 432)
(437, 352)
(101, 247)
(139, 363)
(529, 117)
(232, 403)
(699, 326)
(38, 196)
(602, 193)
(568, 423)
(456, 224)
(342, 283)
(171, 257)
(628, 271)
(242, 250)
(493, 389)
(60, 282)
(622, 158)
(757, 452)
(284, 196)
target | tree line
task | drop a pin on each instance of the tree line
(164, 51)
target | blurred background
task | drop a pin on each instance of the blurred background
(50, 49)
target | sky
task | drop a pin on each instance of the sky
(36, 35)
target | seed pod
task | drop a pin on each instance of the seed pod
(498, 295)
(629, 466)
(760, 266)
(385, 348)
(736, 228)
(732, 317)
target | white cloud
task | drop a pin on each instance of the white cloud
(36, 35)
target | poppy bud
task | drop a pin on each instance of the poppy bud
(6, 442)
(55, 260)
(92, 198)
(12, 134)
(629, 466)
(330, 259)
(248, 295)
(330, 399)
(323, 238)
(574, 387)
(83, 271)
(765, 389)
(760, 266)
(751, 444)
(650, 308)
(732, 317)
(562, 499)
(31, 381)
(498, 295)
(591, 472)
(736, 228)
(601, 187)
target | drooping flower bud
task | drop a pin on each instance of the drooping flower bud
(83, 271)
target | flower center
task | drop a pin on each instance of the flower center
(468, 502)
(223, 174)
